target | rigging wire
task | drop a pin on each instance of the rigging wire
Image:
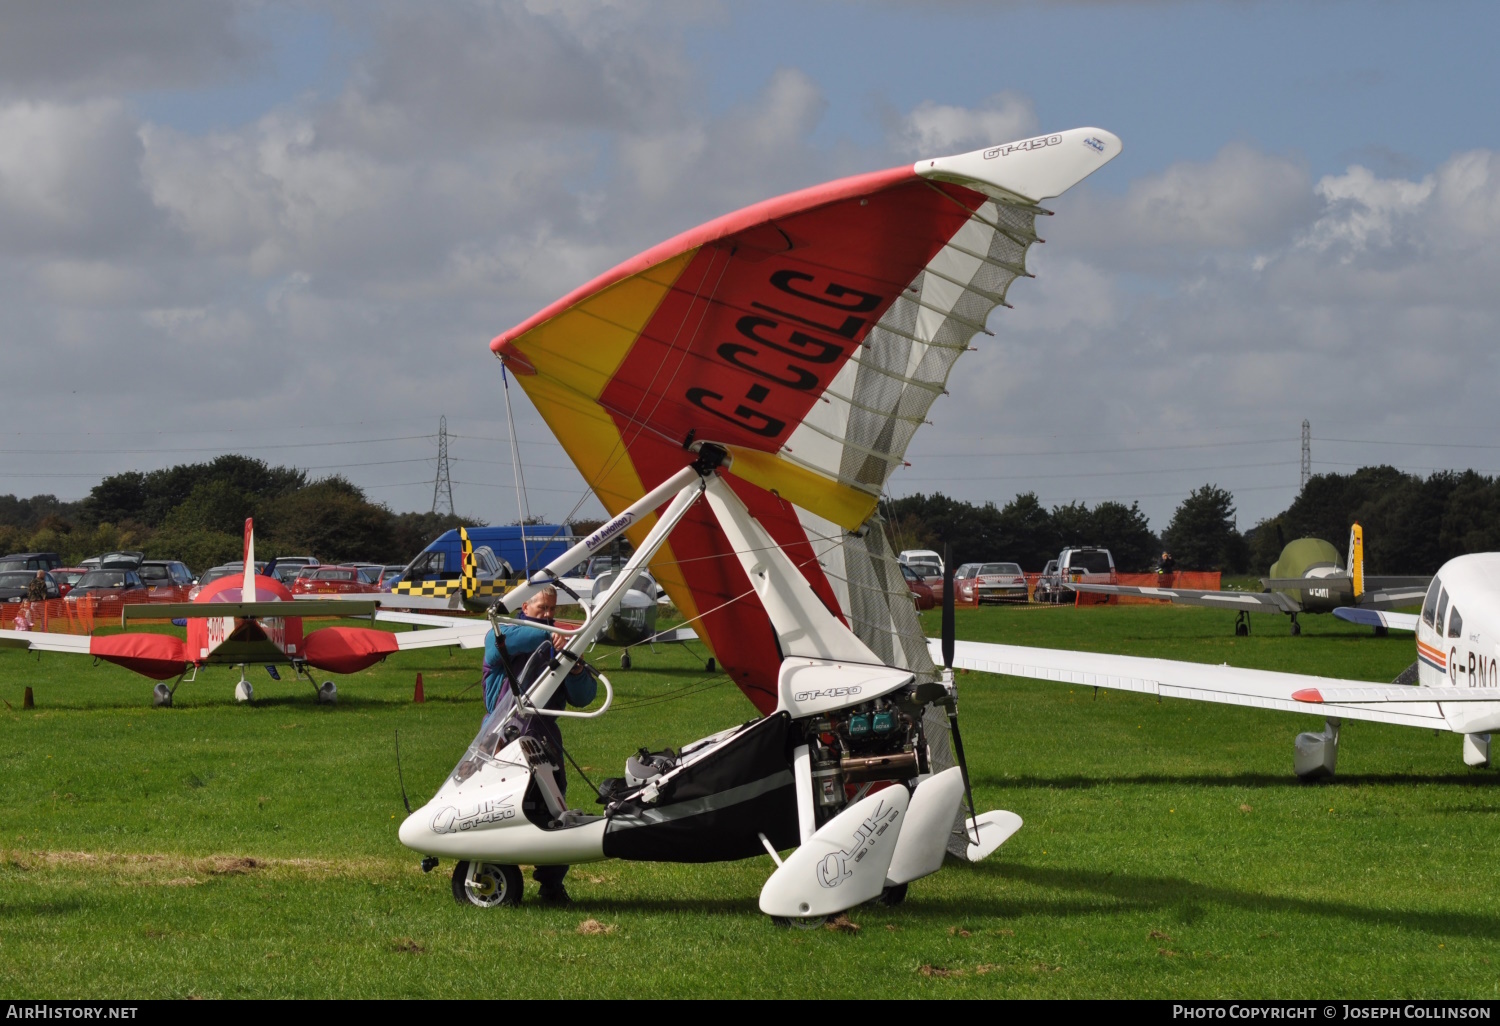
(1095, 452)
(1104, 473)
(697, 687)
(523, 507)
(209, 448)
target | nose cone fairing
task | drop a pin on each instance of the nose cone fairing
(477, 814)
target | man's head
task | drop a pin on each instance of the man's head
(542, 605)
(39, 574)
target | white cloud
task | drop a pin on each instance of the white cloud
(1240, 199)
(1363, 210)
(102, 47)
(70, 178)
(934, 129)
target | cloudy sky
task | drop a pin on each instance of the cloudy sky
(290, 229)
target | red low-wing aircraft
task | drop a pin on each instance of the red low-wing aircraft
(242, 621)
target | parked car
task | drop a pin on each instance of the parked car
(67, 576)
(921, 591)
(123, 586)
(1076, 563)
(925, 562)
(32, 561)
(15, 583)
(125, 559)
(167, 580)
(1000, 582)
(390, 573)
(287, 574)
(299, 561)
(963, 582)
(237, 569)
(370, 573)
(331, 580)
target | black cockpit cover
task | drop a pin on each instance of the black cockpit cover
(714, 809)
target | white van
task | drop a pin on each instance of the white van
(924, 561)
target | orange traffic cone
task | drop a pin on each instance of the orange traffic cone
(418, 696)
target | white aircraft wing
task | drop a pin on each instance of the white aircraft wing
(393, 600)
(1393, 598)
(1251, 601)
(1376, 693)
(44, 641)
(582, 587)
(1377, 618)
(470, 635)
(426, 619)
(674, 634)
(1169, 678)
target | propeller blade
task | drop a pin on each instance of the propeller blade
(948, 637)
(948, 628)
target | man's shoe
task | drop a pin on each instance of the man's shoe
(554, 894)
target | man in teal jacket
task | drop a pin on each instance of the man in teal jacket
(579, 689)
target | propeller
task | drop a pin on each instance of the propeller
(948, 638)
(948, 628)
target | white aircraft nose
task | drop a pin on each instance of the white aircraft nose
(415, 832)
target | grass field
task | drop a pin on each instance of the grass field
(224, 851)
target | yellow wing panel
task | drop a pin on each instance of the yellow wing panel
(608, 323)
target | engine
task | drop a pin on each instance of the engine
(875, 743)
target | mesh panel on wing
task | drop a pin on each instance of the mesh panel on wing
(881, 611)
(905, 361)
(903, 367)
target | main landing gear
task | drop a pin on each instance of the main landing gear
(161, 695)
(1296, 627)
(327, 694)
(487, 884)
(1242, 624)
(243, 692)
(890, 896)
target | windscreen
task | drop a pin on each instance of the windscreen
(486, 744)
(16, 580)
(1089, 562)
(102, 579)
(154, 573)
(642, 584)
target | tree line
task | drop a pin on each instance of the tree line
(1411, 524)
(195, 512)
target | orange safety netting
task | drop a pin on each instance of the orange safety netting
(1191, 580)
(61, 616)
(965, 594)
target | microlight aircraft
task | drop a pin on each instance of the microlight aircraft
(247, 620)
(737, 398)
(1456, 673)
(1306, 579)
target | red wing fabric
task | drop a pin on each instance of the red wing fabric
(158, 656)
(347, 649)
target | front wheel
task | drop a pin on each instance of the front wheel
(801, 922)
(486, 884)
(893, 895)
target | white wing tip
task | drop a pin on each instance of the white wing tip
(1029, 169)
